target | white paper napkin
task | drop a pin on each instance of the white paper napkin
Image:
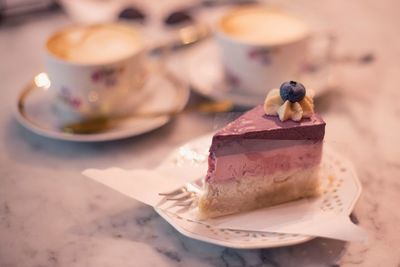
(298, 217)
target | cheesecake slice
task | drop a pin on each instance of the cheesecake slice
(258, 160)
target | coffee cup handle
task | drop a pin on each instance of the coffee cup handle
(329, 41)
(316, 72)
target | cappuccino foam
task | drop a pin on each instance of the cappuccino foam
(95, 44)
(263, 26)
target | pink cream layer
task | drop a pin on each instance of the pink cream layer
(263, 163)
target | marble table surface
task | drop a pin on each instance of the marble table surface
(50, 215)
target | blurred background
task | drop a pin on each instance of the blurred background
(40, 178)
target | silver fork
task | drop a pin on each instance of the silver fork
(185, 197)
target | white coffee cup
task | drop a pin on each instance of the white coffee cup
(96, 70)
(261, 48)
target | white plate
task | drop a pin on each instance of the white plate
(206, 78)
(340, 185)
(40, 116)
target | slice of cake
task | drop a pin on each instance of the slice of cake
(269, 155)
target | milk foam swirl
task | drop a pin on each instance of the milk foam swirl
(95, 43)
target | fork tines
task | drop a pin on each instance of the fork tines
(181, 197)
(175, 192)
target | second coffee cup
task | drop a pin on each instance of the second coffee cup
(260, 48)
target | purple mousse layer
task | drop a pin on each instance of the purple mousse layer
(255, 125)
(301, 155)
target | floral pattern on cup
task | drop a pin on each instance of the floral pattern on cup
(68, 98)
(231, 78)
(310, 67)
(108, 76)
(263, 55)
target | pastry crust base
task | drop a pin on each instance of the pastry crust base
(249, 193)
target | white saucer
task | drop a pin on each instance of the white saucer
(340, 186)
(206, 78)
(38, 114)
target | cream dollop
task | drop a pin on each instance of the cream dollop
(275, 106)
